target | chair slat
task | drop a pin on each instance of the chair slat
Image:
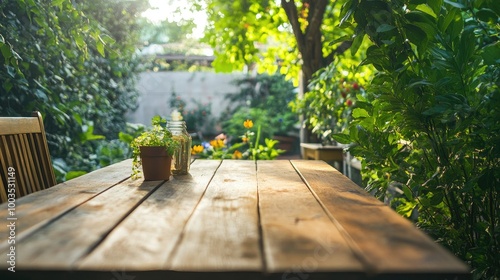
(40, 162)
(27, 153)
(3, 189)
(3, 170)
(23, 145)
(18, 164)
(12, 126)
(7, 158)
(48, 172)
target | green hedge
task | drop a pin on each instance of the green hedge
(75, 62)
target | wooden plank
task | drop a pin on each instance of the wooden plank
(320, 152)
(223, 233)
(389, 243)
(147, 237)
(23, 182)
(25, 162)
(297, 233)
(58, 245)
(4, 171)
(19, 125)
(3, 189)
(41, 207)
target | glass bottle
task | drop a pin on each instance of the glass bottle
(182, 156)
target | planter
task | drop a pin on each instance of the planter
(156, 163)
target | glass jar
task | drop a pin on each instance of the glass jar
(182, 156)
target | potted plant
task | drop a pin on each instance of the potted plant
(153, 149)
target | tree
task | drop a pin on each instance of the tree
(300, 35)
(298, 38)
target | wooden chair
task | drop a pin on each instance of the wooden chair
(24, 156)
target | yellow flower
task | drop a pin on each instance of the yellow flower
(196, 149)
(248, 124)
(244, 139)
(217, 143)
(236, 154)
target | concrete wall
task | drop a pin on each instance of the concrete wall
(156, 90)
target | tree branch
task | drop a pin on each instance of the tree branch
(293, 17)
(343, 47)
(315, 18)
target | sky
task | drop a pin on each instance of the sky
(163, 9)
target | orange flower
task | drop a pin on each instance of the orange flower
(237, 154)
(244, 139)
(248, 124)
(217, 143)
(196, 149)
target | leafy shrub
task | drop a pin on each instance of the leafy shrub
(328, 106)
(428, 128)
(271, 96)
(76, 65)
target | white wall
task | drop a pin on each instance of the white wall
(156, 90)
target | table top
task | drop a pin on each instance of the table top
(279, 219)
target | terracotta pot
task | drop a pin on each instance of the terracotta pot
(155, 163)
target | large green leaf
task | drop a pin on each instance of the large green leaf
(360, 113)
(491, 54)
(455, 4)
(435, 5)
(417, 36)
(487, 15)
(356, 43)
(342, 138)
(424, 21)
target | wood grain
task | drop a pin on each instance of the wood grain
(60, 244)
(389, 243)
(297, 233)
(23, 146)
(38, 209)
(233, 219)
(223, 233)
(146, 238)
(19, 125)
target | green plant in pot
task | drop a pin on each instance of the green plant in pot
(153, 149)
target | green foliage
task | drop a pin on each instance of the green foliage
(245, 22)
(233, 126)
(270, 93)
(427, 129)
(166, 31)
(284, 36)
(157, 136)
(247, 148)
(74, 62)
(331, 102)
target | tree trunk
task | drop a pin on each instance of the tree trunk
(309, 42)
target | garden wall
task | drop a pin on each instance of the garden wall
(156, 90)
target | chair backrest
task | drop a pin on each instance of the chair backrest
(25, 163)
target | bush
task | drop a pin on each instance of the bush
(74, 64)
(271, 95)
(428, 128)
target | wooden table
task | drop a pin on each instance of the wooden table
(230, 219)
